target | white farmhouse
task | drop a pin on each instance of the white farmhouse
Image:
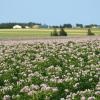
(17, 27)
(27, 27)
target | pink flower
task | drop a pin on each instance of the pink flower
(91, 98)
(83, 98)
(6, 97)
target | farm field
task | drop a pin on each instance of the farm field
(24, 33)
(35, 66)
(50, 50)
(64, 70)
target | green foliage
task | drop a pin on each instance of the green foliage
(62, 32)
(54, 33)
(90, 33)
(52, 71)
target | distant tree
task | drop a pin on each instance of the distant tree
(10, 25)
(91, 26)
(87, 26)
(54, 33)
(55, 26)
(67, 26)
(62, 32)
(44, 26)
(79, 25)
(6, 25)
(89, 32)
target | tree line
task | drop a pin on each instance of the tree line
(30, 24)
(10, 25)
(77, 26)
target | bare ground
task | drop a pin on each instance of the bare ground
(48, 40)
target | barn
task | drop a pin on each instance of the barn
(17, 27)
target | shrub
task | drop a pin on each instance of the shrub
(54, 33)
(62, 32)
(90, 33)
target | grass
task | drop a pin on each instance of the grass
(17, 33)
(22, 33)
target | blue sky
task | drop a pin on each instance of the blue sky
(52, 12)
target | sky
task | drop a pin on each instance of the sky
(51, 12)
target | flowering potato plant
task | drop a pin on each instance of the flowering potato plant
(50, 71)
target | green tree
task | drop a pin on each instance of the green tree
(62, 32)
(89, 32)
(54, 33)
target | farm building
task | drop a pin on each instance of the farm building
(17, 27)
(27, 27)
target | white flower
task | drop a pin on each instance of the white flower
(66, 90)
(68, 97)
(53, 80)
(90, 79)
(6, 97)
(54, 89)
(34, 87)
(46, 88)
(13, 97)
(31, 92)
(62, 99)
(76, 85)
(17, 96)
(91, 98)
(97, 92)
(83, 98)
(98, 88)
(43, 85)
(60, 81)
(98, 69)
(25, 89)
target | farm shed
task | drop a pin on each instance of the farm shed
(17, 27)
(27, 27)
